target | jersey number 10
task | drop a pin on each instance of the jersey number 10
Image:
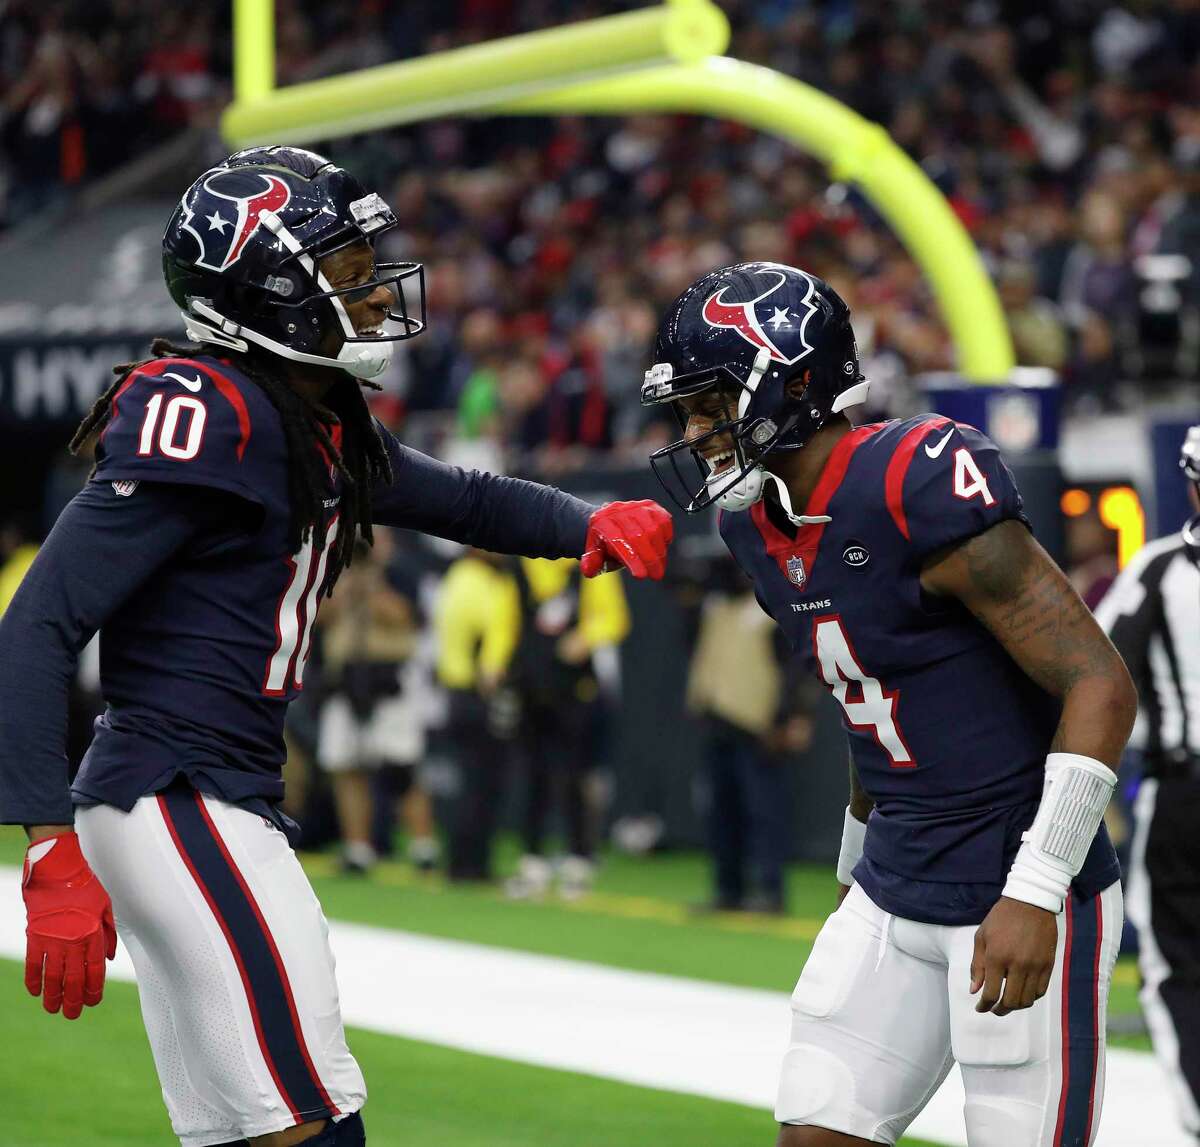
(168, 430)
(873, 707)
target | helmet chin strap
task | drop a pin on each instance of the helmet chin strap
(785, 502)
(206, 324)
(750, 488)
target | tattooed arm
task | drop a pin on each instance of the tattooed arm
(1014, 588)
(1010, 584)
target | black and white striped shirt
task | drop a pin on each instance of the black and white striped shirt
(1152, 614)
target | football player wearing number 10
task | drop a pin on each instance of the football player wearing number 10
(979, 914)
(232, 479)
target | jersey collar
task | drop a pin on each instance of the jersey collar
(804, 544)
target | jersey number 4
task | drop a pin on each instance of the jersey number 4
(969, 481)
(866, 703)
(296, 616)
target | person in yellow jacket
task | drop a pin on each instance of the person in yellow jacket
(16, 556)
(565, 622)
(477, 623)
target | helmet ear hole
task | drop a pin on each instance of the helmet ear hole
(798, 384)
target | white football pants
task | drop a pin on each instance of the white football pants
(233, 965)
(882, 1011)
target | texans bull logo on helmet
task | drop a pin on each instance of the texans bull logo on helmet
(785, 341)
(224, 212)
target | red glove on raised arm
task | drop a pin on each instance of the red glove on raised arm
(633, 535)
(70, 930)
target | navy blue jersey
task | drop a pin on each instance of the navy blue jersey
(198, 666)
(178, 551)
(948, 736)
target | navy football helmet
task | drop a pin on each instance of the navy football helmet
(752, 329)
(242, 254)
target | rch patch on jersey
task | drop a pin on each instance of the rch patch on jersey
(856, 554)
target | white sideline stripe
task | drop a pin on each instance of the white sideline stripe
(665, 1032)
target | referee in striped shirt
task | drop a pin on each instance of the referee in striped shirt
(1152, 614)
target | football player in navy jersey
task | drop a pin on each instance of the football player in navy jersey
(984, 708)
(233, 476)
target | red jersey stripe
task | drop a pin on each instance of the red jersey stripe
(897, 469)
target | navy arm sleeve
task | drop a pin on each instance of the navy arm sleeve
(182, 421)
(102, 548)
(956, 486)
(504, 515)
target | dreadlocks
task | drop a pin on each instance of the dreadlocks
(361, 462)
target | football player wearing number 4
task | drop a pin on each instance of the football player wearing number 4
(232, 479)
(979, 914)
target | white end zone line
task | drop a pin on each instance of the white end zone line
(665, 1032)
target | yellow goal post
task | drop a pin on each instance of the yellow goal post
(660, 59)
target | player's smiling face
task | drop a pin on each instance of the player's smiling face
(704, 414)
(354, 266)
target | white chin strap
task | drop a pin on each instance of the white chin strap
(363, 359)
(751, 486)
(204, 324)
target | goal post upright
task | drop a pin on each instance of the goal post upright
(253, 50)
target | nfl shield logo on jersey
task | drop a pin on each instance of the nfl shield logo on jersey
(795, 572)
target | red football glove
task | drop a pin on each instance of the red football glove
(633, 535)
(70, 929)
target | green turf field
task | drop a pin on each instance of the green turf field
(639, 917)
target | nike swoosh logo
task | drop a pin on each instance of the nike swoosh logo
(934, 451)
(193, 384)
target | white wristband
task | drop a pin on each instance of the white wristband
(1074, 796)
(854, 832)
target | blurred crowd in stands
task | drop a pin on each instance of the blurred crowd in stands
(1066, 136)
